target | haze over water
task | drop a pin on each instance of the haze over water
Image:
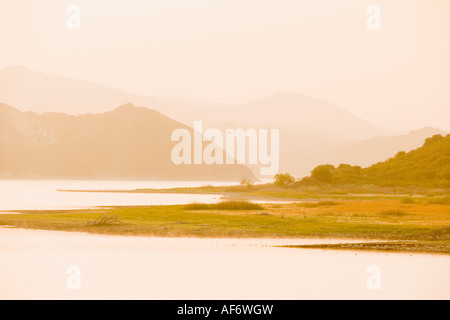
(44, 194)
(115, 267)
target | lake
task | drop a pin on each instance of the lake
(34, 265)
(44, 194)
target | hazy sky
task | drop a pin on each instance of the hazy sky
(239, 50)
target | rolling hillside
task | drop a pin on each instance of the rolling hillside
(314, 150)
(428, 165)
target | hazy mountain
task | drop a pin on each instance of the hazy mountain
(312, 131)
(50, 93)
(126, 143)
(292, 109)
(39, 92)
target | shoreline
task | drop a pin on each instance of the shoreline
(114, 267)
(267, 192)
(407, 227)
(309, 243)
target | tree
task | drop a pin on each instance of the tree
(247, 182)
(323, 173)
(283, 179)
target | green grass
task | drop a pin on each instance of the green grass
(225, 205)
(349, 219)
(347, 211)
(105, 219)
(392, 219)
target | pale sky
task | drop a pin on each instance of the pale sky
(238, 50)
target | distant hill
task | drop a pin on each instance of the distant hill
(295, 113)
(428, 165)
(367, 152)
(50, 93)
(126, 143)
(292, 109)
(40, 92)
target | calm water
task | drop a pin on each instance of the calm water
(44, 194)
(33, 265)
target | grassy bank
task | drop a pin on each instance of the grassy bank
(317, 192)
(441, 247)
(376, 219)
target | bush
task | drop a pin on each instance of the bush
(324, 203)
(105, 219)
(393, 213)
(323, 173)
(225, 205)
(308, 181)
(440, 200)
(283, 180)
(247, 183)
(407, 200)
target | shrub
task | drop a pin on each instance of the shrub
(308, 181)
(324, 203)
(283, 179)
(247, 183)
(225, 205)
(105, 219)
(407, 200)
(393, 213)
(440, 200)
(323, 173)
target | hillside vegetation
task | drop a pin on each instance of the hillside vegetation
(427, 166)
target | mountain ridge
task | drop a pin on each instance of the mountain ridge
(126, 143)
(46, 92)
